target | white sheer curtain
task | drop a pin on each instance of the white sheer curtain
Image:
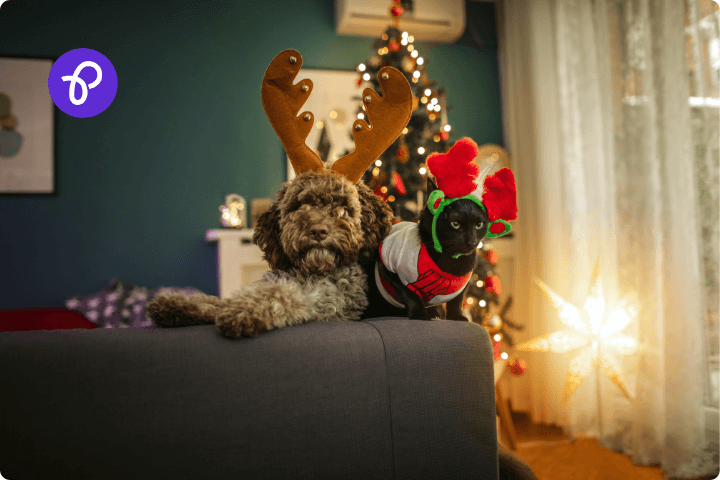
(604, 146)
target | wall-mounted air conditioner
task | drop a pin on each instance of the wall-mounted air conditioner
(429, 20)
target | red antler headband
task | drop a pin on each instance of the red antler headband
(456, 174)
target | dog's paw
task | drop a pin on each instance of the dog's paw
(182, 311)
(235, 322)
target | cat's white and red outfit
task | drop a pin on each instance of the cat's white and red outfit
(403, 253)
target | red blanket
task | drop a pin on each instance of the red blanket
(42, 319)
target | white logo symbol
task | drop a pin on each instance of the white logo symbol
(73, 79)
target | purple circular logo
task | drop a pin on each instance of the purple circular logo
(82, 83)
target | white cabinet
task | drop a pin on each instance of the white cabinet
(239, 261)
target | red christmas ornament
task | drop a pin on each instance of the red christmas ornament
(497, 350)
(517, 367)
(394, 47)
(398, 183)
(396, 10)
(492, 285)
(492, 256)
(379, 192)
(403, 154)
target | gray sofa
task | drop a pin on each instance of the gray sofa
(379, 398)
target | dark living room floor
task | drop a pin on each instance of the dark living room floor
(554, 456)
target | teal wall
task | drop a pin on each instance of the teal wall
(139, 184)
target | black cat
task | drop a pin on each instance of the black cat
(459, 229)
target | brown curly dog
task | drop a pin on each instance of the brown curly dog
(313, 237)
(323, 225)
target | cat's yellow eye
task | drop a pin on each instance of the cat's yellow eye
(455, 225)
(479, 225)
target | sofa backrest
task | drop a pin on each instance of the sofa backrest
(381, 398)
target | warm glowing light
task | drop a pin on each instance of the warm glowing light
(446, 128)
(421, 150)
(414, 79)
(422, 171)
(424, 100)
(366, 77)
(383, 189)
(231, 213)
(414, 53)
(479, 283)
(361, 116)
(403, 41)
(410, 48)
(427, 92)
(391, 198)
(361, 67)
(404, 34)
(434, 101)
(378, 162)
(420, 61)
(504, 356)
(483, 303)
(596, 333)
(416, 74)
(376, 171)
(480, 245)
(405, 130)
(333, 114)
(319, 125)
(411, 39)
(497, 337)
(470, 300)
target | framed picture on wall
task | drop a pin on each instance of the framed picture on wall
(27, 127)
(334, 102)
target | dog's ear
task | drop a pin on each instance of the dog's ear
(267, 237)
(377, 220)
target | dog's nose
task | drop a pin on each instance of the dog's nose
(319, 231)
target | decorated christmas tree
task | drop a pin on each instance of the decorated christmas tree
(400, 174)
(482, 304)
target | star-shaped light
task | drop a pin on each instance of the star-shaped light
(595, 333)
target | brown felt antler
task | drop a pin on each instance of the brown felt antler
(388, 115)
(282, 101)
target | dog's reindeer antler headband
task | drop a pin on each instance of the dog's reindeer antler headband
(388, 115)
(456, 174)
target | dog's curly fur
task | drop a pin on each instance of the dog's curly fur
(314, 236)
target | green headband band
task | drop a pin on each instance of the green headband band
(444, 202)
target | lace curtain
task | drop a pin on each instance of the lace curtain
(612, 122)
